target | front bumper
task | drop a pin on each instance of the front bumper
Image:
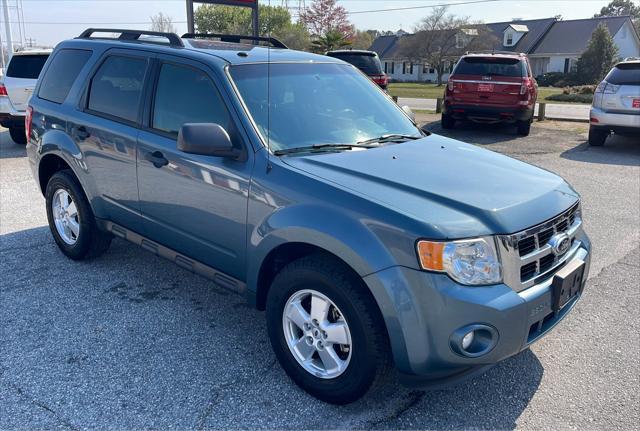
(422, 310)
(488, 114)
(616, 122)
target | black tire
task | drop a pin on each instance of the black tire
(524, 127)
(447, 121)
(370, 358)
(18, 135)
(91, 241)
(597, 137)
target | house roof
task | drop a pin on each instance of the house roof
(572, 36)
(385, 46)
(536, 31)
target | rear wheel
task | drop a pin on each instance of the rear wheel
(597, 137)
(71, 219)
(18, 135)
(326, 330)
(524, 127)
(447, 121)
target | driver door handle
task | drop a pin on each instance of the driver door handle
(157, 158)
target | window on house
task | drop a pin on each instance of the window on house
(432, 70)
(385, 67)
(567, 65)
(411, 68)
(425, 68)
(404, 67)
(509, 39)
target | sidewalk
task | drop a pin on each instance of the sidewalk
(555, 111)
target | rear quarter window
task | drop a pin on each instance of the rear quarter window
(62, 73)
(491, 66)
(624, 74)
(369, 64)
(26, 66)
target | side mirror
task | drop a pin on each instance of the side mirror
(409, 112)
(207, 139)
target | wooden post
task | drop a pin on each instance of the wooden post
(438, 105)
(541, 111)
(395, 98)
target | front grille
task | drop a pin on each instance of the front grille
(527, 255)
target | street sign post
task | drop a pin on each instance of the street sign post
(253, 4)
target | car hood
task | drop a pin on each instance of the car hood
(457, 190)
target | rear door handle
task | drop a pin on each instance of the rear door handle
(157, 158)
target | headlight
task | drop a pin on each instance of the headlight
(470, 261)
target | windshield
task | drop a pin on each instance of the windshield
(493, 66)
(368, 63)
(315, 104)
(26, 66)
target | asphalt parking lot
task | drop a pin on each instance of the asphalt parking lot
(130, 341)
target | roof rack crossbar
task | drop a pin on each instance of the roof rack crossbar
(127, 34)
(235, 38)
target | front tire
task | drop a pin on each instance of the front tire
(71, 219)
(597, 137)
(18, 135)
(326, 330)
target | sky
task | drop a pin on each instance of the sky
(51, 21)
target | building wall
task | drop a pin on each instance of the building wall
(419, 74)
(628, 44)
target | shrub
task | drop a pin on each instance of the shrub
(572, 97)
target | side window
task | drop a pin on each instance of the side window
(116, 87)
(186, 95)
(62, 73)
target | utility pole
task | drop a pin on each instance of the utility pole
(29, 41)
(7, 29)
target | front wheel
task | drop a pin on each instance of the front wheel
(326, 330)
(18, 135)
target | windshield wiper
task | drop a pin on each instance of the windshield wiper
(389, 138)
(318, 148)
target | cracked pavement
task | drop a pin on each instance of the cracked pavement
(130, 341)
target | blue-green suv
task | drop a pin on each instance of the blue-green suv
(293, 179)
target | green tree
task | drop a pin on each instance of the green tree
(599, 57)
(362, 39)
(331, 40)
(274, 21)
(621, 8)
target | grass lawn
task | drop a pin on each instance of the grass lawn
(432, 91)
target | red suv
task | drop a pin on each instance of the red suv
(491, 88)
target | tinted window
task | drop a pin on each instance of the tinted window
(62, 73)
(117, 86)
(625, 74)
(186, 95)
(369, 64)
(297, 105)
(26, 66)
(490, 66)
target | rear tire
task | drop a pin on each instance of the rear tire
(524, 127)
(447, 121)
(365, 362)
(73, 227)
(18, 135)
(597, 137)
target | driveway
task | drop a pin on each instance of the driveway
(130, 341)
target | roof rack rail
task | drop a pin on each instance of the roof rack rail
(126, 34)
(495, 51)
(235, 38)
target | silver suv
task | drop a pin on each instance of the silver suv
(16, 88)
(616, 103)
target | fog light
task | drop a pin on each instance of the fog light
(467, 340)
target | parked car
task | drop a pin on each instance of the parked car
(16, 88)
(616, 103)
(491, 88)
(367, 61)
(291, 179)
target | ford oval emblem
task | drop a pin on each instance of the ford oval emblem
(560, 243)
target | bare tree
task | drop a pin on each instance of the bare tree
(442, 37)
(163, 23)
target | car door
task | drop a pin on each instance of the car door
(106, 129)
(194, 204)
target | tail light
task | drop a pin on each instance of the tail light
(3, 90)
(450, 85)
(527, 85)
(27, 122)
(380, 79)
